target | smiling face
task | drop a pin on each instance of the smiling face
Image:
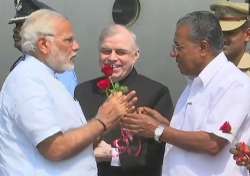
(120, 51)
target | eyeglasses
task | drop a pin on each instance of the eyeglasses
(177, 48)
(119, 51)
(69, 40)
(48, 34)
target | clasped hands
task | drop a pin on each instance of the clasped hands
(120, 109)
(115, 107)
(141, 121)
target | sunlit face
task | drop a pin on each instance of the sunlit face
(119, 50)
(16, 35)
(63, 49)
(186, 52)
(235, 43)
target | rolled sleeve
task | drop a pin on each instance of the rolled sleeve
(226, 111)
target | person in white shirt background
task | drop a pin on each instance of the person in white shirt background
(235, 25)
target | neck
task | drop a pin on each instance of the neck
(205, 61)
(236, 59)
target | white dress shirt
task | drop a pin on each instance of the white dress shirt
(33, 106)
(220, 93)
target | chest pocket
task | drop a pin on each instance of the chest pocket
(196, 112)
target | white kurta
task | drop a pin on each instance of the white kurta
(33, 106)
(220, 93)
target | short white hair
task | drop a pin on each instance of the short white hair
(39, 23)
(114, 29)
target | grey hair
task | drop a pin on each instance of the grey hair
(204, 26)
(112, 30)
(38, 24)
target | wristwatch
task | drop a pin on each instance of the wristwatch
(158, 132)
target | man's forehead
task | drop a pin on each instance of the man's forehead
(118, 39)
(62, 25)
(182, 32)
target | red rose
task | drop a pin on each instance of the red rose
(104, 84)
(243, 147)
(241, 154)
(226, 127)
(107, 70)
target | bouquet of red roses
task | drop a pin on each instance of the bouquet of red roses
(107, 84)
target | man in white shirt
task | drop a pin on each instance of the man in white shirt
(213, 110)
(23, 9)
(42, 128)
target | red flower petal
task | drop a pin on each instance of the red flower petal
(107, 70)
(226, 127)
(104, 84)
(244, 148)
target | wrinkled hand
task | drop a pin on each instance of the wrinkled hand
(140, 124)
(115, 107)
(103, 151)
(241, 154)
(154, 114)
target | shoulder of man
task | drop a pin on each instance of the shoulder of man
(87, 86)
(21, 58)
(150, 82)
(244, 61)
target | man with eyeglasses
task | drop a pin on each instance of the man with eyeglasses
(116, 152)
(23, 9)
(43, 130)
(213, 111)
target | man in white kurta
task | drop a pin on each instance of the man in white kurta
(213, 97)
(213, 111)
(39, 106)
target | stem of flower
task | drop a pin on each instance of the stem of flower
(107, 93)
(112, 84)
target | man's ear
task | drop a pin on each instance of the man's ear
(137, 56)
(204, 47)
(43, 45)
(247, 33)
